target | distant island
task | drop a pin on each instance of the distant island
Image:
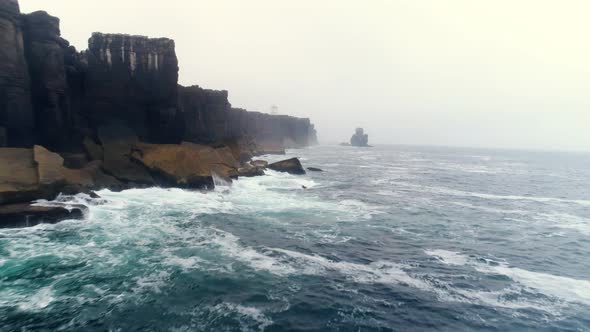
(359, 139)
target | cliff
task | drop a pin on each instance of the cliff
(16, 111)
(113, 116)
(209, 117)
(54, 96)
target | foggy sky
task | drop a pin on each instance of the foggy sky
(504, 73)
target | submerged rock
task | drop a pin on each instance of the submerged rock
(26, 215)
(291, 166)
(315, 169)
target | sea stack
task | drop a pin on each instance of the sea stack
(359, 138)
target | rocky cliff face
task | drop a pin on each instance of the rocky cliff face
(54, 96)
(68, 102)
(45, 53)
(16, 112)
(209, 117)
(133, 80)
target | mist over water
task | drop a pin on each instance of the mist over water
(389, 238)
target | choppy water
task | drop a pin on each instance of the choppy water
(387, 239)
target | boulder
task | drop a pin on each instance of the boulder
(185, 165)
(291, 166)
(26, 215)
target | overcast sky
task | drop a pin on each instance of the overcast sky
(504, 73)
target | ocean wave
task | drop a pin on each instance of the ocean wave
(565, 221)
(460, 193)
(563, 288)
(249, 318)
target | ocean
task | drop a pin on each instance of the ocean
(390, 238)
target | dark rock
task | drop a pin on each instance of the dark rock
(291, 166)
(92, 194)
(133, 80)
(45, 53)
(16, 112)
(315, 169)
(93, 150)
(209, 118)
(117, 141)
(75, 160)
(360, 139)
(26, 215)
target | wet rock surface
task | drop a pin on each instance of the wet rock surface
(291, 166)
(26, 215)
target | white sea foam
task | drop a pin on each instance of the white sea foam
(565, 221)
(448, 257)
(36, 301)
(564, 288)
(454, 192)
(247, 315)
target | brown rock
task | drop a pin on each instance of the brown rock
(291, 166)
(249, 171)
(259, 163)
(49, 166)
(187, 164)
(18, 176)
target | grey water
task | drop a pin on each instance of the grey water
(389, 238)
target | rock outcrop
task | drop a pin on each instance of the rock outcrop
(26, 215)
(359, 138)
(186, 165)
(291, 166)
(37, 173)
